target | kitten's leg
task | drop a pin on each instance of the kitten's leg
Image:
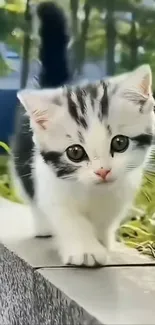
(41, 223)
(108, 238)
(76, 240)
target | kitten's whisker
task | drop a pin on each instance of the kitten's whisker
(25, 175)
(27, 161)
(131, 167)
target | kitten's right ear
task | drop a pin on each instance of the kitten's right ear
(140, 81)
(42, 105)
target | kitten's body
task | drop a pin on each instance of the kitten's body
(81, 201)
(101, 205)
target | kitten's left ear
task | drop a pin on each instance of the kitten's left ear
(140, 80)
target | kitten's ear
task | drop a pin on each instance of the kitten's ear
(117, 79)
(41, 105)
(140, 80)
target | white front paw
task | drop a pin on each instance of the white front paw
(42, 233)
(87, 255)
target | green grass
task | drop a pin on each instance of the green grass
(139, 229)
(5, 69)
(6, 189)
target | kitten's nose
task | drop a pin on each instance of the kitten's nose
(102, 172)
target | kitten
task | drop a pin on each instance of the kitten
(90, 144)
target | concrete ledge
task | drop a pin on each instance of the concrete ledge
(66, 296)
(27, 298)
(114, 296)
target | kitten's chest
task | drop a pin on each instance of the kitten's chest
(102, 205)
(103, 208)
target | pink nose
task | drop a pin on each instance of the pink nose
(102, 172)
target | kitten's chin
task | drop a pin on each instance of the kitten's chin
(104, 184)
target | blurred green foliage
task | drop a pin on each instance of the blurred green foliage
(98, 29)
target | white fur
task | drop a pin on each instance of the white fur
(83, 213)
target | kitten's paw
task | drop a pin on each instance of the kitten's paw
(42, 227)
(42, 233)
(88, 256)
(45, 236)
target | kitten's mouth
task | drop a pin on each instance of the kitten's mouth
(103, 182)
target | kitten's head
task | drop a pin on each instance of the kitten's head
(94, 134)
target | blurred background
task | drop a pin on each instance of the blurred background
(107, 37)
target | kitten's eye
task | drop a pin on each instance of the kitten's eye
(76, 153)
(119, 143)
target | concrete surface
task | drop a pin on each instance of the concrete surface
(112, 296)
(27, 298)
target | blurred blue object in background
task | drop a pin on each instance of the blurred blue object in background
(8, 106)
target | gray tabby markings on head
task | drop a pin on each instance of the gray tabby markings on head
(77, 105)
(104, 101)
(62, 169)
(73, 109)
(80, 136)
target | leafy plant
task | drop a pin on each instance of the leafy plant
(6, 189)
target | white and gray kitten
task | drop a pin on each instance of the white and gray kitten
(82, 160)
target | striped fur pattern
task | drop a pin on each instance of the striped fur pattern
(90, 145)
